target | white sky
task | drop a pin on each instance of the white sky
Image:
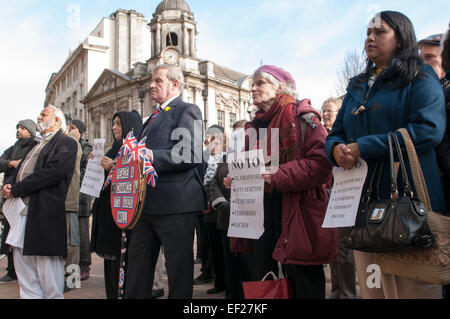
(308, 38)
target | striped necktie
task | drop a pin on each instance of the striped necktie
(154, 115)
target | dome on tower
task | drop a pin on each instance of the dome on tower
(173, 5)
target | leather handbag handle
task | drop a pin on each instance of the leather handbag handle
(380, 175)
(394, 190)
(369, 190)
(416, 169)
(406, 185)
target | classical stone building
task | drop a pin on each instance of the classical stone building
(222, 94)
(117, 43)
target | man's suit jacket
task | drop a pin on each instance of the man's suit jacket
(179, 186)
(45, 230)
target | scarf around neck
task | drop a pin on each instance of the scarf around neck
(280, 116)
(213, 163)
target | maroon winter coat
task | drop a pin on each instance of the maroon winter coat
(303, 241)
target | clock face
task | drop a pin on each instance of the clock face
(171, 56)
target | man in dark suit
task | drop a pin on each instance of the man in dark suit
(174, 138)
(41, 180)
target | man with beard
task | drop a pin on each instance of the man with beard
(26, 132)
(41, 180)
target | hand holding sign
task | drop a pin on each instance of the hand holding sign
(345, 195)
(247, 195)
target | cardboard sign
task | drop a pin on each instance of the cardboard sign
(127, 193)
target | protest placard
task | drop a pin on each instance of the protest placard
(94, 177)
(345, 195)
(247, 195)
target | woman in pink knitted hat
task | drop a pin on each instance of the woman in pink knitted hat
(295, 197)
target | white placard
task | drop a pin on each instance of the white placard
(345, 195)
(94, 176)
(14, 210)
(247, 195)
(237, 140)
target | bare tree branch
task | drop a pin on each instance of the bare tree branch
(354, 64)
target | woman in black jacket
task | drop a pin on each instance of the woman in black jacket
(106, 236)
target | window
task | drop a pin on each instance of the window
(232, 120)
(221, 118)
(172, 39)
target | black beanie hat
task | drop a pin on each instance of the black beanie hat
(80, 126)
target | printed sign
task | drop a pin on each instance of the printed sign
(247, 195)
(345, 196)
(94, 177)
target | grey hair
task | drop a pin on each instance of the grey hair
(173, 73)
(57, 113)
(286, 88)
(333, 100)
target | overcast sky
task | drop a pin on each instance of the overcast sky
(308, 38)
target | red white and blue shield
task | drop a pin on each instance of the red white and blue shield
(128, 190)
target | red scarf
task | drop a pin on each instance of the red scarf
(281, 116)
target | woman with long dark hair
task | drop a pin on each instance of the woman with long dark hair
(397, 90)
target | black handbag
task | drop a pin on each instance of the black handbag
(393, 224)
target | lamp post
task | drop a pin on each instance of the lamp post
(205, 110)
(141, 94)
(249, 108)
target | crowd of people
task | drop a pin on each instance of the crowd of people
(405, 84)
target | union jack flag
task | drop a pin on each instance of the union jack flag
(134, 151)
(138, 151)
(150, 172)
(128, 144)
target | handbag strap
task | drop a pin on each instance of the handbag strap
(369, 190)
(394, 189)
(380, 175)
(267, 275)
(416, 169)
(280, 273)
(406, 186)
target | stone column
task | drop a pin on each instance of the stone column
(192, 43)
(102, 123)
(185, 41)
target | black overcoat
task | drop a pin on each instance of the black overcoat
(45, 230)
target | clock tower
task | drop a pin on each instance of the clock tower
(173, 33)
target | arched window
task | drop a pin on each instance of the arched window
(172, 39)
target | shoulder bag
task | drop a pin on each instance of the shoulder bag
(427, 265)
(392, 224)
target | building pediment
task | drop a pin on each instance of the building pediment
(108, 81)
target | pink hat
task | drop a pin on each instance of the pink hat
(280, 74)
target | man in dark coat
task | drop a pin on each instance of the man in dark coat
(170, 209)
(41, 181)
(84, 210)
(26, 132)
